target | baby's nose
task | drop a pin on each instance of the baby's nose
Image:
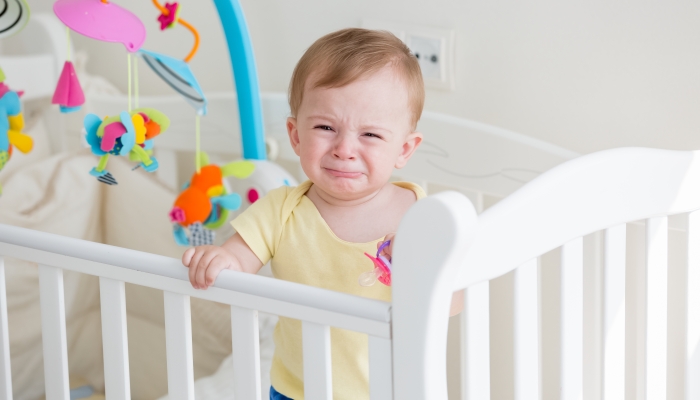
(344, 149)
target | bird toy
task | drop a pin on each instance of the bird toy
(381, 271)
(11, 124)
(127, 134)
(13, 18)
(204, 204)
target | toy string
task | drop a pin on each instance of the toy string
(198, 161)
(187, 25)
(128, 61)
(136, 82)
(67, 44)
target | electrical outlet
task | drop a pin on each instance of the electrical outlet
(433, 47)
(430, 54)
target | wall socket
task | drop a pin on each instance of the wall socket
(433, 47)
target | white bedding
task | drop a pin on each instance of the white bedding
(56, 194)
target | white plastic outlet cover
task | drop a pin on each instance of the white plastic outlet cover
(430, 54)
(438, 74)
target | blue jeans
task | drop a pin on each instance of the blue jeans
(275, 395)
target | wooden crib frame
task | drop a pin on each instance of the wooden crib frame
(442, 246)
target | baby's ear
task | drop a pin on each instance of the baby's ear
(413, 140)
(293, 133)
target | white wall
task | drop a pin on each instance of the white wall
(583, 75)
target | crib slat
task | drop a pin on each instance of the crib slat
(656, 307)
(114, 339)
(526, 332)
(178, 344)
(615, 257)
(572, 320)
(5, 373)
(246, 353)
(316, 343)
(380, 369)
(53, 332)
(692, 359)
(476, 345)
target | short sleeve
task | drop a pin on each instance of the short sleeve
(261, 224)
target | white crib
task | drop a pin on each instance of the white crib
(442, 246)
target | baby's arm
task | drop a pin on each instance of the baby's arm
(457, 297)
(205, 262)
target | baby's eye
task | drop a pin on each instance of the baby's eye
(324, 127)
(372, 135)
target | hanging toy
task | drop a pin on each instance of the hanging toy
(169, 18)
(381, 271)
(175, 72)
(102, 20)
(127, 134)
(99, 20)
(178, 75)
(11, 124)
(68, 95)
(14, 17)
(204, 204)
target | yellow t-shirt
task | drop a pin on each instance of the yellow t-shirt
(285, 227)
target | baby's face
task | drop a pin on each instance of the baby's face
(350, 139)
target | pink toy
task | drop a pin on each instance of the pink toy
(381, 271)
(102, 20)
(68, 95)
(170, 19)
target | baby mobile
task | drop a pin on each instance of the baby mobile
(204, 203)
(131, 132)
(13, 19)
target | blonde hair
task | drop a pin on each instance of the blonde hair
(342, 57)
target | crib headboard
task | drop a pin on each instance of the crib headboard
(457, 153)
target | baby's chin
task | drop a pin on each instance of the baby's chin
(347, 188)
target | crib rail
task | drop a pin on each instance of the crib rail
(247, 294)
(604, 192)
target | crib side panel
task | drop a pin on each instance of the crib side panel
(655, 335)
(476, 353)
(246, 353)
(614, 312)
(5, 372)
(114, 338)
(692, 349)
(572, 320)
(316, 343)
(53, 333)
(178, 343)
(527, 363)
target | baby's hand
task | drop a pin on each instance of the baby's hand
(205, 263)
(386, 252)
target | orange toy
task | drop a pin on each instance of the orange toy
(204, 204)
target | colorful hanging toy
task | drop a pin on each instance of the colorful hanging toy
(204, 203)
(381, 271)
(13, 18)
(129, 133)
(11, 124)
(107, 22)
(68, 95)
(174, 72)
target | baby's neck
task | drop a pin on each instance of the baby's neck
(365, 218)
(317, 195)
